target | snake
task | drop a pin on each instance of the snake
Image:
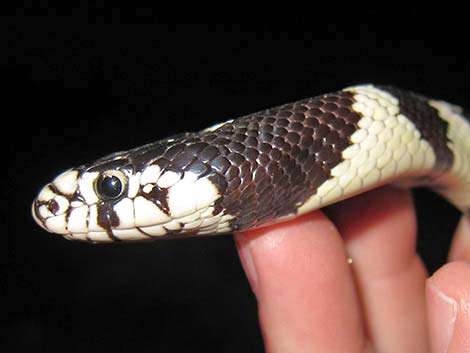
(264, 168)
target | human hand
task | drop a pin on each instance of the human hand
(311, 299)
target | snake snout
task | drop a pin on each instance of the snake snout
(51, 207)
(49, 210)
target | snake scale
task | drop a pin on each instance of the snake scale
(264, 168)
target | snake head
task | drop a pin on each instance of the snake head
(82, 203)
(119, 198)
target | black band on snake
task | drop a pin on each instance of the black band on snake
(264, 168)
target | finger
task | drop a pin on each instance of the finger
(448, 303)
(460, 249)
(306, 296)
(379, 230)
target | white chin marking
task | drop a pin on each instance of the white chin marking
(205, 193)
(77, 236)
(78, 220)
(147, 213)
(125, 212)
(93, 220)
(188, 195)
(189, 201)
(181, 199)
(57, 224)
(156, 231)
(66, 182)
(193, 225)
(208, 222)
(174, 225)
(99, 237)
(129, 234)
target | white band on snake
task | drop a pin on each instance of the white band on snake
(264, 168)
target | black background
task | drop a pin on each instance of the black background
(74, 95)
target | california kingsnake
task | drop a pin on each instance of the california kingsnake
(264, 168)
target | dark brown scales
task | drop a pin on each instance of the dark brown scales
(264, 164)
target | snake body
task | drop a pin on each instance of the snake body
(264, 168)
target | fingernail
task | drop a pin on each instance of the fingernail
(442, 314)
(243, 245)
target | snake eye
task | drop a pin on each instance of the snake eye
(110, 185)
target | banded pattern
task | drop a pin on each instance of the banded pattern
(264, 167)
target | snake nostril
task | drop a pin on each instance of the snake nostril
(53, 206)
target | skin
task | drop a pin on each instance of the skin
(312, 299)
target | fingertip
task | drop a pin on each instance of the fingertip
(448, 302)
